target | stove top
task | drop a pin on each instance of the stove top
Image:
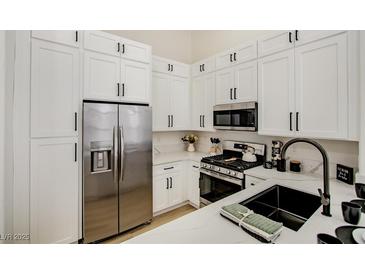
(230, 162)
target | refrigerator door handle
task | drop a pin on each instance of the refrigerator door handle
(121, 154)
(115, 155)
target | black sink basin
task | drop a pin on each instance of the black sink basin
(288, 206)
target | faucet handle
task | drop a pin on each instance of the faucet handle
(324, 201)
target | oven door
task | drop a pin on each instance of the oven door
(244, 118)
(214, 186)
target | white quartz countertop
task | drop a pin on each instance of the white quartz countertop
(264, 173)
(206, 226)
(168, 157)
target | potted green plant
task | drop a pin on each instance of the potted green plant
(190, 139)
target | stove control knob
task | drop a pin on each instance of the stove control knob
(228, 172)
(209, 166)
(204, 165)
(233, 173)
(218, 168)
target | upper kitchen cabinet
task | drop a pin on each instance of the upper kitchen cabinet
(116, 68)
(136, 82)
(66, 37)
(101, 76)
(170, 102)
(321, 88)
(237, 84)
(243, 53)
(202, 101)
(171, 67)
(276, 94)
(275, 42)
(283, 40)
(203, 67)
(308, 91)
(107, 43)
(55, 82)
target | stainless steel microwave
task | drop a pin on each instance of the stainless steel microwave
(239, 116)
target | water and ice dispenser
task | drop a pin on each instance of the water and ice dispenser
(100, 158)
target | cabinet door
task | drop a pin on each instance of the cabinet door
(160, 65)
(224, 86)
(197, 102)
(224, 59)
(193, 191)
(209, 101)
(306, 36)
(180, 103)
(54, 191)
(276, 94)
(54, 89)
(203, 67)
(272, 43)
(179, 69)
(102, 42)
(176, 190)
(66, 37)
(245, 52)
(161, 186)
(135, 51)
(161, 101)
(321, 88)
(245, 77)
(102, 75)
(136, 79)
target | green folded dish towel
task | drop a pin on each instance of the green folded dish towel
(253, 219)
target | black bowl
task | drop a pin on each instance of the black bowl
(323, 238)
(351, 212)
(360, 190)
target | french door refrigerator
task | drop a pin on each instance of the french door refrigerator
(117, 168)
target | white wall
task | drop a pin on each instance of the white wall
(209, 42)
(2, 131)
(172, 44)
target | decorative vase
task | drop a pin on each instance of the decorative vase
(191, 147)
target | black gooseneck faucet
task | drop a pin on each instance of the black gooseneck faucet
(325, 195)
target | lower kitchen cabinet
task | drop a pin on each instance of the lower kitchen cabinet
(251, 181)
(193, 193)
(54, 191)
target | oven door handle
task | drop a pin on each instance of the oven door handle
(222, 177)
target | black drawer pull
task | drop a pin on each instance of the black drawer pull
(296, 36)
(203, 67)
(297, 121)
(230, 91)
(123, 89)
(75, 121)
(77, 36)
(118, 47)
(170, 182)
(123, 48)
(75, 152)
(230, 57)
(290, 41)
(167, 168)
(234, 57)
(291, 122)
(167, 183)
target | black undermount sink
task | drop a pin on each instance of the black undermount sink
(288, 206)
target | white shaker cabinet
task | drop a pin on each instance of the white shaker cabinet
(276, 94)
(101, 76)
(135, 82)
(179, 103)
(54, 192)
(203, 67)
(161, 101)
(55, 84)
(237, 84)
(160, 192)
(275, 42)
(170, 67)
(193, 191)
(66, 37)
(103, 42)
(202, 101)
(321, 88)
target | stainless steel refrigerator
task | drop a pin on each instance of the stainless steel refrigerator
(117, 168)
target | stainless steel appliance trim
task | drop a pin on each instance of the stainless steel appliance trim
(235, 106)
(222, 177)
(222, 127)
(205, 202)
(224, 107)
(244, 128)
(115, 155)
(122, 149)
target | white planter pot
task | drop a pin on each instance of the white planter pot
(191, 148)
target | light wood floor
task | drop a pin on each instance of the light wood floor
(156, 222)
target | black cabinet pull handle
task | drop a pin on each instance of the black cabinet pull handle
(75, 121)
(169, 67)
(167, 168)
(123, 89)
(77, 36)
(170, 182)
(203, 120)
(290, 122)
(168, 120)
(230, 57)
(194, 166)
(234, 57)
(296, 36)
(118, 47)
(123, 48)
(75, 152)
(200, 120)
(118, 88)
(203, 66)
(167, 183)
(235, 93)
(200, 68)
(290, 41)
(172, 120)
(230, 91)
(172, 67)
(296, 121)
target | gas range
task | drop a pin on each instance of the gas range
(222, 175)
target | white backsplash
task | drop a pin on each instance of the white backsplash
(339, 152)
